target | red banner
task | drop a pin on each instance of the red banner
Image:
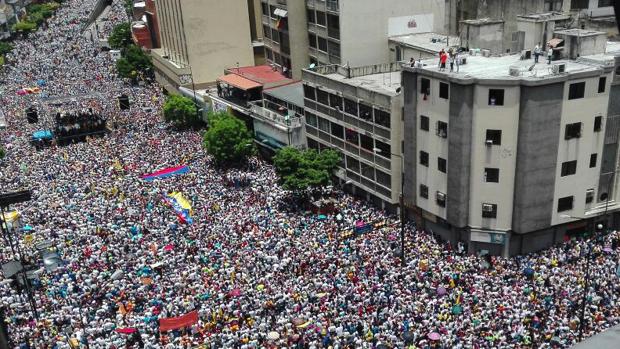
(173, 323)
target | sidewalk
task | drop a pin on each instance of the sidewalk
(609, 339)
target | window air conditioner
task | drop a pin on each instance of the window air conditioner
(441, 196)
(487, 208)
(488, 143)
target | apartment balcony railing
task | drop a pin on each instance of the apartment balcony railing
(260, 111)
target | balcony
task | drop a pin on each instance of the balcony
(273, 117)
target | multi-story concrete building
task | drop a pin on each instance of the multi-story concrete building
(199, 40)
(358, 112)
(511, 156)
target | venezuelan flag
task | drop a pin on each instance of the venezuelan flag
(165, 173)
(181, 206)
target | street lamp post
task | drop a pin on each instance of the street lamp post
(401, 204)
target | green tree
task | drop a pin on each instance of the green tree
(5, 48)
(181, 110)
(120, 37)
(2, 153)
(24, 26)
(133, 62)
(302, 170)
(228, 139)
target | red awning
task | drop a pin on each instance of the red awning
(173, 323)
(239, 81)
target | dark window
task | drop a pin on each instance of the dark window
(365, 111)
(367, 142)
(382, 118)
(385, 149)
(353, 164)
(491, 175)
(267, 31)
(425, 87)
(601, 84)
(423, 158)
(322, 44)
(368, 171)
(444, 90)
(269, 54)
(440, 198)
(275, 35)
(589, 196)
(312, 144)
(311, 17)
(352, 137)
(593, 158)
(312, 40)
(572, 131)
(264, 8)
(576, 90)
(350, 106)
(335, 101)
(384, 179)
(598, 123)
(423, 191)
(320, 18)
(442, 129)
(323, 124)
(273, 11)
(489, 210)
(311, 119)
(424, 123)
(322, 97)
(565, 204)
(569, 168)
(494, 137)
(605, 3)
(337, 130)
(309, 92)
(442, 165)
(496, 97)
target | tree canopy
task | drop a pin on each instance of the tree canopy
(228, 139)
(133, 63)
(120, 38)
(2, 153)
(181, 110)
(5, 48)
(300, 170)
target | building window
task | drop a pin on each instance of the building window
(320, 18)
(605, 3)
(269, 54)
(385, 150)
(368, 171)
(494, 137)
(423, 191)
(384, 179)
(309, 92)
(444, 90)
(322, 44)
(440, 198)
(264, 8)
(572, 131)
(593, 158)
(442, 129)
(335, 101)
(382, 118)
(598, 123)
(425, 87)
(352, 137)
(576, 90)
(337, 131)
(579, 4)
(312, 144)
(365, 111)
(569, 168)
(423, 158)
(589, 196)
(442, 165)
(367, 142)
(312, 40)
(601, 84)
(275, 35)
(350, 107)
(323, 124)
(267, 31)
(311, 17)
(491, 175)
(311, 119)
(496, 97)
(322, 97)
(489, 210)
(353, 164)
(565, 204)
(424, 123)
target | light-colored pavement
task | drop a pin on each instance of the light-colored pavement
(609, 339)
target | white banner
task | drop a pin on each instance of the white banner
(410, 24)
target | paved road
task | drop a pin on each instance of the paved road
(609, 339)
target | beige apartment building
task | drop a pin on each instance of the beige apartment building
(202, 38)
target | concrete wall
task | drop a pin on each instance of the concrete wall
(407, 52)
(411, 121)
(368, 19)
(483, 37)
(539, 129)
(460, 145)
(298, 37)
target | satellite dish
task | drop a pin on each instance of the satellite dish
(312, 66)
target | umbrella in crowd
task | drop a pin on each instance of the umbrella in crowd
(237, 262)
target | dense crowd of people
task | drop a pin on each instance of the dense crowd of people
(260, 271)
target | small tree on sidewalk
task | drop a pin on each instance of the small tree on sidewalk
(228, 140)
(181, 111)
(120, 38)
(302, 170)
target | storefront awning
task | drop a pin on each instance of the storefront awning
(280, 12)
(555, 42)
(239, 82)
